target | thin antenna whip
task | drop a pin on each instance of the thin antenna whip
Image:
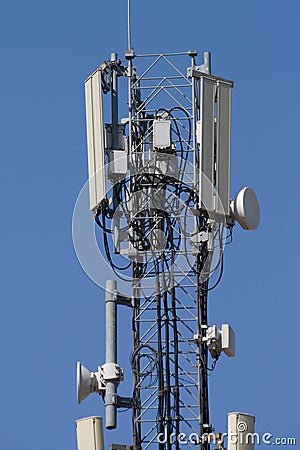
(128, 25)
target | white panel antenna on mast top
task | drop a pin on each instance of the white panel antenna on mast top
(213, 137)
(95, 138)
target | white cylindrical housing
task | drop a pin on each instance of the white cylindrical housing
(241, 435)
(89, 431)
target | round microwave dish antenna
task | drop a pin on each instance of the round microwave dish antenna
(246, 209)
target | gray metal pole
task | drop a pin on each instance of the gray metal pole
(111, 351)
(207, 60)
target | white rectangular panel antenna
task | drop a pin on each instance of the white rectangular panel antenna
(205, 133)
(241, 434)
(213, 137)
(223, 147)
(89, 432)
(95, 138)
(228, 340)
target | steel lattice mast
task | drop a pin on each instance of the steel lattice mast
(168, 313)
(160, 193)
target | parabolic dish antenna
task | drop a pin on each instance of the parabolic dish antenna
(246, 209)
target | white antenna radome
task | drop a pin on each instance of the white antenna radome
(245, 209)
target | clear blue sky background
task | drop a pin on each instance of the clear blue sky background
(51, 313)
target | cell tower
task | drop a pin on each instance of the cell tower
(159, 185)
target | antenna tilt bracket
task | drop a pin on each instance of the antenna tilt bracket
(203, 68)
(110, 372)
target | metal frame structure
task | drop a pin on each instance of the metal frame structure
(164, 172)
(160, 192)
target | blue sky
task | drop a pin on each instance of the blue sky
(51, 313)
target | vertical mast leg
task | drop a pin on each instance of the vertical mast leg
(137, 445)
(202, 322)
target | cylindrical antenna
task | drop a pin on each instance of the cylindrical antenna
(128, 25)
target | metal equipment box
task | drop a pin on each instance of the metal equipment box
(161, 134)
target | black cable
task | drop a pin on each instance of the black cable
(202, 347)
(213, 366)
(167, 387)
(137, 355)
(107, 251)
(219, 278)
(136, 410)
(160, 412)
(176, 358)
